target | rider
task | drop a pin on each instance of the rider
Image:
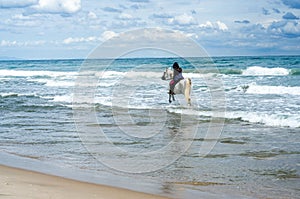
(177, 76)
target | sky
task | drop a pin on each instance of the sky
(59, 29)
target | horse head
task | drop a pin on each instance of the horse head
(167, 75)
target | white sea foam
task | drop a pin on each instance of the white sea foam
(279, 90)
(24, 73)
(11, 94)
(54, 83)
(277, 120)
(63, 98)
(262, 71)
(108, 74)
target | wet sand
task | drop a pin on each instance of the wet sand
(24, 184)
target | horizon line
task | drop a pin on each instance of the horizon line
(170, 57)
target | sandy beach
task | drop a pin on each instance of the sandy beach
(23, 184)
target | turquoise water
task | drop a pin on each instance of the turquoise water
(256, 153)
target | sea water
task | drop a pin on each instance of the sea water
(255, 153)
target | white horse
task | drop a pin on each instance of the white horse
(184, 86)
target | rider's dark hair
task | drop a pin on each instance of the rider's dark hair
(175, 65)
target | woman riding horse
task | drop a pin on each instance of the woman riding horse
(177, 76)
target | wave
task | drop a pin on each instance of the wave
(24, 73)
(261, 71)
(264, 90)
(295, 71)
(252, 71)
(274, 120)
(11, 94)
(63, 98)
(55, 83)
(231, 71)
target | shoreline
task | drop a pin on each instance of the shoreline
(20, 183)
(25, 178)
(25, 163)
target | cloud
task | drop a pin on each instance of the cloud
(269, 12)
(287, 29)
(17, 3)
(125, 21)
(222, 26)
(208, 25)
(110, 9)
(125, 16)
(20, 20)
(292, 3)
(161, 16)
(6, 43)
(140, 1)
(290, 16)
(265, 11)
(276, 10)
(253, 31)
(242, 22)
(135, 7)
(214, 26)
(183, 19)
(71, 40)
(106, 35)
(58, 6)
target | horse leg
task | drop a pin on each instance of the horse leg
(173, 97)
(170, 98)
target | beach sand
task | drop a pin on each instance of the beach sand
(23, 184)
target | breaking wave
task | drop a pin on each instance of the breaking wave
(261, 71)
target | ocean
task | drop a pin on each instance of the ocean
(239, 137)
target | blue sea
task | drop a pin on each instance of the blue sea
(110, 121)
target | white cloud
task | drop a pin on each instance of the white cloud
(266, 45)
(208, 24)
(20, 20)
(140, 1)
(183, 19)
(218, 25)
(222, 26)
(70, 40)
(125, 16)
(6, 43)
(58, 6)
(16, 3)
(292, 28)
(63, 7)
(106, 35)
(285, 28)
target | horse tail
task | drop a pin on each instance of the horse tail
(187, 90)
